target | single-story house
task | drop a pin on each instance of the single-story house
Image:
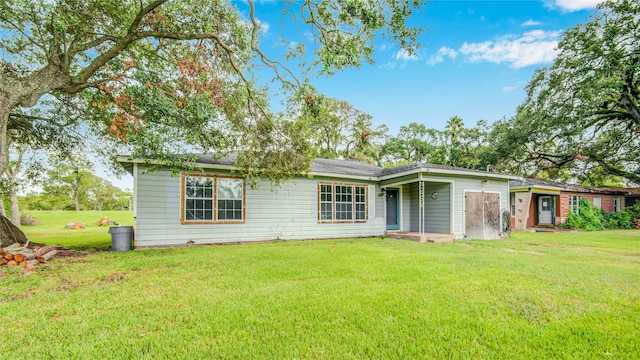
(631, 197)
(536, 202)
(339, 198)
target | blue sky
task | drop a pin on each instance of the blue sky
(475, 61)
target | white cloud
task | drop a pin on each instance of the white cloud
(442, 53)
(508, 89)
(264, 26)
(389, 65)
(573, 5)
(404, 55)
(532, 48)
(531, 23)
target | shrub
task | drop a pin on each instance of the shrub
(618, 220)
(27, 219)
(587, 219)
(634, 211)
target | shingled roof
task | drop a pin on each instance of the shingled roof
(345, 167)
(342, 167)
(427, 166)
(562, 186)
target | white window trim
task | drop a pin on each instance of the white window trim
(576, 206)
(597, 202)
(616, 204)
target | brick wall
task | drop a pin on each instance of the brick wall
(605, 200)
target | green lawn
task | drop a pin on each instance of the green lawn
(52, 230)
(535, 295)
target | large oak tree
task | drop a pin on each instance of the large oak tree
(581, 117)
(162, 76)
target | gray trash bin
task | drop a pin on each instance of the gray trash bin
(121, 237)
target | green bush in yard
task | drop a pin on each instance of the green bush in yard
(588, 218)
(618, 220)
(634, 211)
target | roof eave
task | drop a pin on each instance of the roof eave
(488, 175)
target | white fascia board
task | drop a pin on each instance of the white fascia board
(488, 175)
(354, 177)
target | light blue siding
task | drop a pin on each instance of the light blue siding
(447, 211)
(285, 213)
(462, 185)
(437, 213)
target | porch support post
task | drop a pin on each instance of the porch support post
(421, 212)
(523, 204)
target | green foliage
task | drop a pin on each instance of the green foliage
(618, 220)
(588, 218)
(591, 218)
(457, 145)
(581, 116)
(533, 296)
(70, 184)
(634, 211)
(338, 130)
(153, 78)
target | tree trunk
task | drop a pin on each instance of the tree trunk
(3, 211)
(14, 207)
(10, 234)
(76, 200)
(5, 109)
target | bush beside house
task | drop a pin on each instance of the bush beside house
(590, 218)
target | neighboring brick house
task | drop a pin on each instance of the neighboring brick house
(542, 203)
(631, 197)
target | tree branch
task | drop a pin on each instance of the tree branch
(273, 64)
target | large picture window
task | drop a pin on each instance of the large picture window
(342, 202)
(212, 199)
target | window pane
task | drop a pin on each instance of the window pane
(229, 188)
(198, 198)
(361, 204)
(326, 202)
(229, 210)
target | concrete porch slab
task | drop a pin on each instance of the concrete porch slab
(421, 238)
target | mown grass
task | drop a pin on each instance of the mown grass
(52, 231)
(564, 295)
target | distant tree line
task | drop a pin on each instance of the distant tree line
(66, 182)
(580, 121)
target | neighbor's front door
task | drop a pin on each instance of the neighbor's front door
(545, 210)
(393, 209)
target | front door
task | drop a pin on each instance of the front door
(393, 209)
(545, 210)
